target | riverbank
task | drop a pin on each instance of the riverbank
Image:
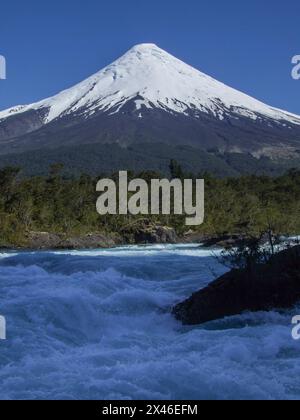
(48, 240)
(52, 212)
(145, 234)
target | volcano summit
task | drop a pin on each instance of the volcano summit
(148, 97)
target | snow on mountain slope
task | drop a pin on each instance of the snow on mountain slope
(153, 79)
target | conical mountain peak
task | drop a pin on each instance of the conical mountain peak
(153, 79)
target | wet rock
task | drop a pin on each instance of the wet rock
(275, 285)
(225, 241)
(234, 240)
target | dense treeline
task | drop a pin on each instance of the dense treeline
(93, 159)
(53, 203)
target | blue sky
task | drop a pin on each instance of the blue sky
(50, 46)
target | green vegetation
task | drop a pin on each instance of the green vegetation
(57, 204)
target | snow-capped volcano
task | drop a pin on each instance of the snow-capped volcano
(161, 81)
(149, 94)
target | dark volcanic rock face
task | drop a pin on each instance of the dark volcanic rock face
(275, 285)
(19, 125)
(25, 132)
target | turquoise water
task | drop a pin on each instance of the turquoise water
(97, 325)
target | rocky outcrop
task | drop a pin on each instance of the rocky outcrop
(191, 237)
(225, 241)
(145, 232)
(234, 240)
(156, 235)
(209, 241)
(275, 285)
(42, 240)
(141, 233)
(45, 240)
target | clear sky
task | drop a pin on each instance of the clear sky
(50, 46)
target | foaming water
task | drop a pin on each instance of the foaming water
(97, 325)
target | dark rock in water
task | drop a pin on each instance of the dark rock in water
(275, 285)
(234, 240)
(225, 241)
(228, 241)
(208, 241)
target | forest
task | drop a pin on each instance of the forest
(60, 204)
